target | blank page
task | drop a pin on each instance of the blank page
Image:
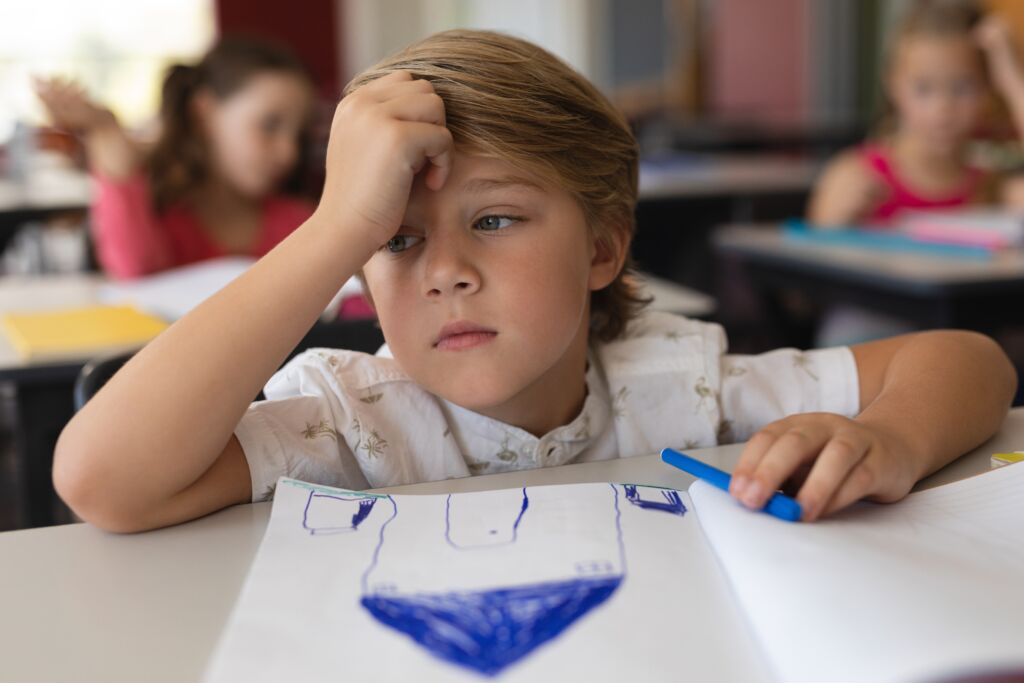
(930, 587)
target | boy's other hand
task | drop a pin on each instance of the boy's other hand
(383, 134)
(829, 461)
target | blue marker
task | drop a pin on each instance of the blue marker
(779, 505)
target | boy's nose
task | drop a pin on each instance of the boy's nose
(449, 270)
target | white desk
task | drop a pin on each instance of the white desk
(80, 604)
(52, 190)
(695, 176)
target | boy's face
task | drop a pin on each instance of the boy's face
(483, 294)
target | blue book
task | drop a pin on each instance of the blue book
(800, 231)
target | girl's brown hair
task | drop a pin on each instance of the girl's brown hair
(509, 99)
(179, 161)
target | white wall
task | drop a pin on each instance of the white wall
(571, 29)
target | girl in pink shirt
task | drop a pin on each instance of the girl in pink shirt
(942, 69)
(230, 136)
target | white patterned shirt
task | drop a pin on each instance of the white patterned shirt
(357, 421)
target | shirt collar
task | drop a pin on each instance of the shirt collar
(559, 446)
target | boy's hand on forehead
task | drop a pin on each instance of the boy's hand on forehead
(383, 134)
(827, 461)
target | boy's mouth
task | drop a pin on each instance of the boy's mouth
(461, 334)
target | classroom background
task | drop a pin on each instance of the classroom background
(736, 106)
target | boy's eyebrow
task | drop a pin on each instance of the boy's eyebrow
(477, 185)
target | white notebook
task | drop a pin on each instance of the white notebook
(613, 582)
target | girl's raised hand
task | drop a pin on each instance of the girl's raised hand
(830, 461)
(994, 38)
(69, 107)
(383, 134)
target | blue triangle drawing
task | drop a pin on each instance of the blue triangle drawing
(486, 631)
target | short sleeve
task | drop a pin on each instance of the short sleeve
(757, 390)
(298, 431)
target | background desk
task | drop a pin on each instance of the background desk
(52, 191)
(928, 290)
(740, 176)
(84, 605)
(682, 198)
(42, 391)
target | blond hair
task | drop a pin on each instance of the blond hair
(509, 99)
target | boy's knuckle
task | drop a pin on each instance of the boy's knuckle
(863, 478)
(846, 447)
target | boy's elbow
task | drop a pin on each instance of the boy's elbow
(84, 491)
(989, 358)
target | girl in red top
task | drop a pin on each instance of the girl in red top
(939, 68)
(230, 136)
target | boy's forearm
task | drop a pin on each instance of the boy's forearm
(163, 420)
(943, 394)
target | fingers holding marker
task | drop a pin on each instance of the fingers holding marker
(785, 456)
(829, 474)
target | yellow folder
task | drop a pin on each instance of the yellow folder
(79, 332)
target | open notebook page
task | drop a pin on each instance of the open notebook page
(923, 589)
(594, 582)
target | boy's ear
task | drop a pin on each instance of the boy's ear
(610, 250)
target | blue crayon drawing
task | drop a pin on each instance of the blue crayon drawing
(672, 503)
(326, 513)
(486, 629)
(465, 546)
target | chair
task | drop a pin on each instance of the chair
(354, 335)
(95, 374)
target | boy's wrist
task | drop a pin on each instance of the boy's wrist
(904, 445)
(334, 229)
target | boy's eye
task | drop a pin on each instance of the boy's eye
(495, 222)
(400, 243)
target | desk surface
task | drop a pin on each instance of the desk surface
(81, 604)
(52, 186)
(907, 271)
(41, 293)
(693, 176)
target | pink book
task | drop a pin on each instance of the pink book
(987, 229)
